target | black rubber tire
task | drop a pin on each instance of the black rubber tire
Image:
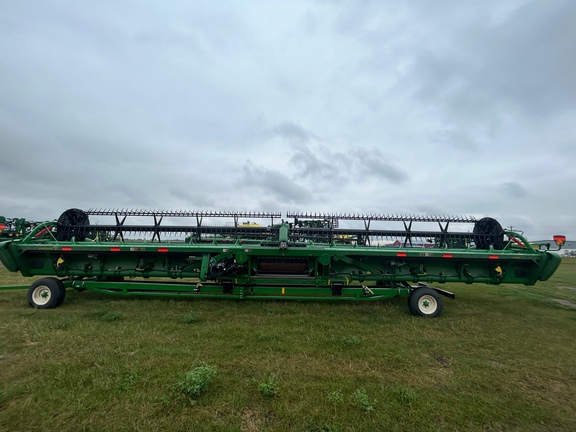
(46, 293)
(425, 302)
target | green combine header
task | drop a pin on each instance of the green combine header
(303, 256)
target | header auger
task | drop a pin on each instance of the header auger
(306, 256)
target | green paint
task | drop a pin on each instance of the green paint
(278, 268)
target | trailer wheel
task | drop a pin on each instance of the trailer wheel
(425, 302)
(46, 293)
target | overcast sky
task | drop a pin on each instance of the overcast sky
(403, 107)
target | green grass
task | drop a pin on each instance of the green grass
(498, 359)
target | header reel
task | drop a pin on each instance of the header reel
(486, 233)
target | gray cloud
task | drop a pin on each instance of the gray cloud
(456, 139)
(505, 65)
(513, 190)
(293, 133)
(313, 165)
(372, 163)
(319, 162)
(273, 184)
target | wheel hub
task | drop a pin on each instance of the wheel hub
(41, 295)
(428, 304)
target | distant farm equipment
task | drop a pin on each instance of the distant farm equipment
(15, 227)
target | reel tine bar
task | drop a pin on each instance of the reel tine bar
(316, 227)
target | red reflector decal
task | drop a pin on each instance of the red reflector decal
(115, 249)
(401, 254)
(162, 249)
(447, 256)
(493, 257)
(66, 248)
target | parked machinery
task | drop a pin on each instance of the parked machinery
(15, 227)
(302, 256)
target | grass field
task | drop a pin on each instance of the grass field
(499, 358)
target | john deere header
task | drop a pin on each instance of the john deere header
(252, 255)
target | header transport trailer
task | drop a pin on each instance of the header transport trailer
(306, 256)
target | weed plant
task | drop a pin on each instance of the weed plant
(336, 397)
(270, 387)
(196, 381)
(362, 400)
